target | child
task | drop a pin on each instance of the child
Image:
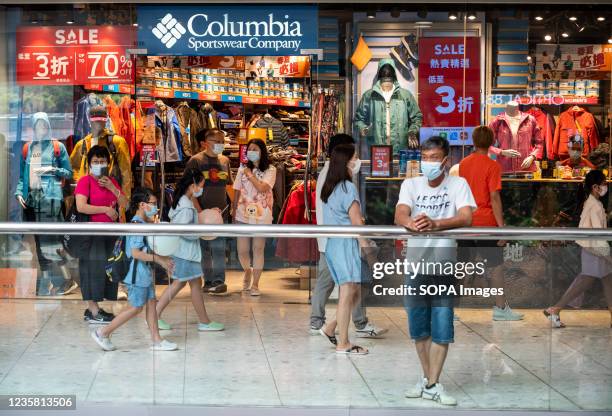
(187, 267)
(595, 258)
(140, 285)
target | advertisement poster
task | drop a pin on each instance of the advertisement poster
(277, 66)
(566, 58)
(381, 161)
(73, 55)
(186, 62)
(449, 82)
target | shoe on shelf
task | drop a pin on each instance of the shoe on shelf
(164, 345)
(217, 288)
(104, 343)
(416, 391)
(371, 331)
(506, 314)
(412, 47)
(211, 327)
(163, 325)
(438, 394)
(401, 57)
(67, 288)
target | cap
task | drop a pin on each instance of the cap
(98, 113)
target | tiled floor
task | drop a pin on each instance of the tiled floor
(267, 357)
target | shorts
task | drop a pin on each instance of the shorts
(139, 296)
(185, 270)
(434, 322)
(484, 250)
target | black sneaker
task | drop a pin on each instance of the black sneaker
(106, 314)
(412, 47)
(87, 316)
(218, 288)
(100, 319)
(399, 54)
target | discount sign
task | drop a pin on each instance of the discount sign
(449, 81)
(57, 55)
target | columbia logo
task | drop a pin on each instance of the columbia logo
(169, 30)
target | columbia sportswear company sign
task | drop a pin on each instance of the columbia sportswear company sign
(228, 30)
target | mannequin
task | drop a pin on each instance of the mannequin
(44, 166)
(519, 137)
(387, 113)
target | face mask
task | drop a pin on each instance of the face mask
(153, 212)
(574, 154)
(354, 166)
(198, 193)
(253, 156)
(603, 189)
(218, 148)
(96, 170)
(431, 170)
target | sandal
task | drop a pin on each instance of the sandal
(354, 350)
(554, 318)
(331, 338)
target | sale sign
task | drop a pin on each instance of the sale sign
(449, 81)
(75, 55)
(381, 161)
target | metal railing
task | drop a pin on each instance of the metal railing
(305, 231)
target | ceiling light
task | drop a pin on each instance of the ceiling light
(539, 18)
(69, 22)
(34, 21)
(610, 40)
(371, 15)
(547, 38)
(471, 16)
(528, 58)
(565, 34)
(601, 19)
(135, 24)
(453, 16)
(573, 18)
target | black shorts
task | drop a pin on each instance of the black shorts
(484, 250)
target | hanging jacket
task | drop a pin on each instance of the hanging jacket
(570, 123)
(528, 142)
(406, 117)
(51, 183)
(189, 246)
(169, 126)
(547, 125)
(279, 132)
(113, 114)
(119, 155)
(82, 125)
(203, 119)
(128, 128)
(186, 116)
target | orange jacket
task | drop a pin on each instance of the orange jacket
(575, 120)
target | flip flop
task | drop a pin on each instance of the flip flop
(354, 350)
(331, 339)
(554, 318)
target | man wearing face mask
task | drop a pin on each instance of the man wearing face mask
(388, 114)
(44, 165)
(120, 164)
(432, 202)
(575, 160)
(217, 177)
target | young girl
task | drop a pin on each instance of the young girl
(187, 267)
(596, 261)
(139, 283)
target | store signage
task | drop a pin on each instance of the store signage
(278, 67)
(573, 58)
(449, 82)
(214, 30)
(456, 136)
(57, 55)
(381, 161)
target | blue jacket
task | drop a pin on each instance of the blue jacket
(51, 182)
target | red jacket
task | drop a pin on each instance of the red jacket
(547, 125)
(528, 141)
(298, 250)
(576, 119)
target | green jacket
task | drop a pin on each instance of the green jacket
(406, 117)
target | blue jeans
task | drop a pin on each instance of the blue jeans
(433, 321)
(213, 260)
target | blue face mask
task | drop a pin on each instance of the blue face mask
(153, 212)
(431, 170)
(199, 193)
(253, 156)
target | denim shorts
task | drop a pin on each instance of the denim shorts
(433, 321)
(139, 296)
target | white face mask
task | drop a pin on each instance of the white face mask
(354, 166)
(218, 148)
(96, 170)
(603, 190)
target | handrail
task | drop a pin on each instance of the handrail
(304, 231)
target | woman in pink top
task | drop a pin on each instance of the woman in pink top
(98, 196)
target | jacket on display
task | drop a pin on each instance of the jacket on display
(113, 114)
(547, 125)
(528, 142)
(405, 116)
(78, 159)
(203, 119)
(573, 121)
(185, 116)
(189, 246)
(167, 134)
(52, 183)
(279, 132)
(128, 125)
(82, 125)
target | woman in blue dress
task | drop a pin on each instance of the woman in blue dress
(341, 206)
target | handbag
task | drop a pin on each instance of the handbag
(77, 245)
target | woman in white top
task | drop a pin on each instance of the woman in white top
(253, 204)
(595, 258)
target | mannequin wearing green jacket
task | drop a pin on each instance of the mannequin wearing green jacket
(388, 114)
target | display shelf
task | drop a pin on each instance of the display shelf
(295, 120)
(116, 88)
(225, 98)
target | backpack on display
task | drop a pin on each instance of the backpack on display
(57, 152)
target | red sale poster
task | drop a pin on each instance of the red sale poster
(449, 81)
(75, 55)
(381, 161)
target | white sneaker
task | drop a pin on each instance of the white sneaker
(437, 394)
(416, 391)
(164, 345)
(506, 314)
(104, 343)
(371, 331)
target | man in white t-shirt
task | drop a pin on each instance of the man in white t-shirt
(325, 283)
(432, 202)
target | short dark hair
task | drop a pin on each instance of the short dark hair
(204, 135)
(99, 152)
(338, 139)
(436, 142)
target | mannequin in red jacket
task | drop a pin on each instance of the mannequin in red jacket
(575, 159)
